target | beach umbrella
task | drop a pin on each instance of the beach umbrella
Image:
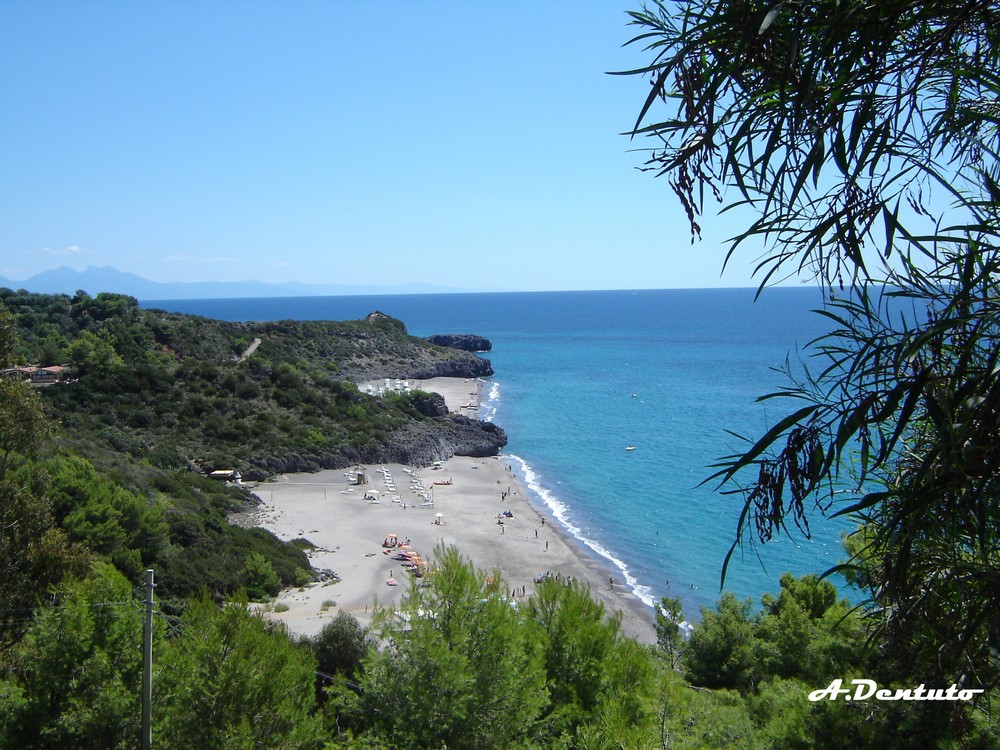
(439, 515)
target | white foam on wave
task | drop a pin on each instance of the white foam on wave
(488, 408)
(560, 511)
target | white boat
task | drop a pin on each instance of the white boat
(630, 447)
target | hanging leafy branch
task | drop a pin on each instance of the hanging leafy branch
(861, 140)
(829, 120)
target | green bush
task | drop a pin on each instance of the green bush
(258, 578)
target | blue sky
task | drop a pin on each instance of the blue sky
(465, 144)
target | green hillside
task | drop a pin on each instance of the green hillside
(173, 389)
(151, 402)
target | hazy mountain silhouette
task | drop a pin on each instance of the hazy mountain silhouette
(107, 279)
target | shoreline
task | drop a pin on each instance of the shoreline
(467, 496)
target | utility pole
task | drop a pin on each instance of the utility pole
(147, 667)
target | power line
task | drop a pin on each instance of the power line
(58, 607)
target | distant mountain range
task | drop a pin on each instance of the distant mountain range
(107, 279)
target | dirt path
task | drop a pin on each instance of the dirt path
(250, 350)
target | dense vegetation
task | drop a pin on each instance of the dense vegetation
(834, 123)
(174, 390)
(457, 666)
(153, 402)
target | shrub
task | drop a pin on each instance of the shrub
(341, 644)
(259, 578)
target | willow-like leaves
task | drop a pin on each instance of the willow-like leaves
(862, 141)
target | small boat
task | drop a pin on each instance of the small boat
(630, 447)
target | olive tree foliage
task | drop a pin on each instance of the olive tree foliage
(860, 143)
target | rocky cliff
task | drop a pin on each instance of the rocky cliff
(416, 443)
(465, 341)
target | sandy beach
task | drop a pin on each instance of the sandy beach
(461, 395)
(459, 502)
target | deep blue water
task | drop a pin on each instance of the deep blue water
(581, 375)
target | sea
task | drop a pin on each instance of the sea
(616, 405)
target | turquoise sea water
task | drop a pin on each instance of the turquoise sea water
(582, 375)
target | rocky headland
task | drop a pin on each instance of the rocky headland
(465, 341)
(181, 391)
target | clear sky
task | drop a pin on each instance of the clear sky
(466, 144)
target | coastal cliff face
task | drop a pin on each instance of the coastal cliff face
(414, 444)
(455, 435)
(465, 341)
(419, 442)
